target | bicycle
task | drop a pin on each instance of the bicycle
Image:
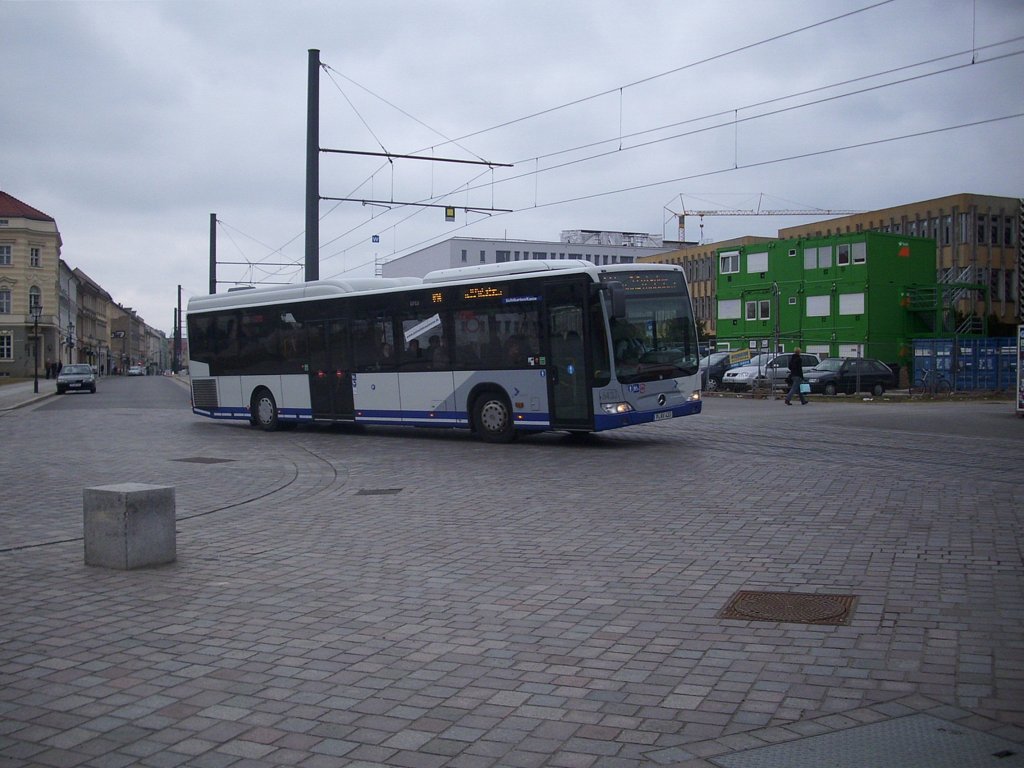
(931, 383)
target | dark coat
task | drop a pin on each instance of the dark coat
(796, 366)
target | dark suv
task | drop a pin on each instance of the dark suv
(712, 369)
(850, 374)
(78, 376)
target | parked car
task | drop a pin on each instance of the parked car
(136, 370)
(76, 377)
(850, 374)
(765, 368)
(712, 369)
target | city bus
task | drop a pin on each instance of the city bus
(498, 349)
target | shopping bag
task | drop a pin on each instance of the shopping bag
(805, 389)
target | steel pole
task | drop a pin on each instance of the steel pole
(35, 350)
(213, 253)
(313, 167)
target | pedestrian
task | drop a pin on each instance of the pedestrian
(796, 378)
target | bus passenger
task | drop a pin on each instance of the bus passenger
(437, 352)
(515, 355)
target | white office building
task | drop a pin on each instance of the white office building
(471, 251)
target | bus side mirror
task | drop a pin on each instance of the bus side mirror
(615, 295)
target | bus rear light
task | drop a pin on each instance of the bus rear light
(614, 408)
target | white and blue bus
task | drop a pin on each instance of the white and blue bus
(498, 349)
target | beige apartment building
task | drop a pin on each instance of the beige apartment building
(977, 239)
(52, 314)
(30, 329)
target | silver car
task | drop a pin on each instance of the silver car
(764, 368)
(76, 377)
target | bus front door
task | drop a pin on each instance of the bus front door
(330, 371)
(568, 387)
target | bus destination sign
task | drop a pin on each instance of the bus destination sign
(647, 282)
(483, 292)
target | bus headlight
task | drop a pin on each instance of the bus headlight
(614, 408)
(695, 395)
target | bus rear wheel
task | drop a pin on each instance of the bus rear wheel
(492, 417)
(264, 410)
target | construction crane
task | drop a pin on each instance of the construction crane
(681, 217)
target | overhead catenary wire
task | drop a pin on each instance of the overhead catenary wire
(465, 188)
(574, 102)
(729, 169)
(733, 121)
(675, 70)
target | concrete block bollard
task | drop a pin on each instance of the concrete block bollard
(129, 525)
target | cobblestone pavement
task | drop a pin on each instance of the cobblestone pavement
(418, 598)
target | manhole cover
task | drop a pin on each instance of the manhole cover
(790, 607)
(378, 491)
(204, 460)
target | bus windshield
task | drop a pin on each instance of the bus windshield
(656, 339)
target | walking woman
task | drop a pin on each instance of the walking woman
(796, 375)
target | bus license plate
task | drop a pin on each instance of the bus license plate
(663, 415)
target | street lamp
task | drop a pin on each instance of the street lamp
(35, 310)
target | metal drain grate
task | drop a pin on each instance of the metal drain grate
(204, 460)
(790, 607)
(378, 491)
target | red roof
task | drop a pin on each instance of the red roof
(14, 208)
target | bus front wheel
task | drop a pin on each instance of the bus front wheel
(492, 417)
(264, 410)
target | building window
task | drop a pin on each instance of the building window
(851, 304)
(5, 301)
(980, 239)
(6, 346)
(483, 257)
(764, 309)
(729, 309)
(994, 282)
(1008, 232)
(819, 306)
(843, 254)
(34, 259)
(464, 256)
(825, 257)
(34, 296)
(500, 257)
(5, 255)
(538, 255)
(757, 262)
(729, 263)
(751, 310)
(860, 253)
(993, 231)
(810, 258)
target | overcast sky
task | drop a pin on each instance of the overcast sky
(131, 122)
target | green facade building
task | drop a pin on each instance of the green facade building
(846, 295)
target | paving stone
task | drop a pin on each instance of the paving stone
(476, 621)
